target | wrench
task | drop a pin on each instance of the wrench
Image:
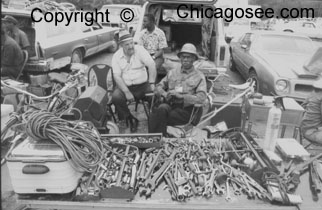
(228, 197)
(152, 183)
(237, 189)
(152, 166)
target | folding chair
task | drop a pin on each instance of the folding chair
(102, 75)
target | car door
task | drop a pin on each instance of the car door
(89, 39)
(104, 35)
(243, 58)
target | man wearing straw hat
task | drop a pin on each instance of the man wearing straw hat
(134, 73)
(312, 121)
(181, 89)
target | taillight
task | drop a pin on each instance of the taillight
(222, 53)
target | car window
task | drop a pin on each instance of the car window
(85, 28)
(247, 39)
(96, 26)
(183, 16)
(61, 28)
(286, 44)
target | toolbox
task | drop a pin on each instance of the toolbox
(40, 167)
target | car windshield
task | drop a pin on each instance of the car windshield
(286, 44)
(113, 11)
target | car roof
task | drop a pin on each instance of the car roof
(17, 12)
(122, 5)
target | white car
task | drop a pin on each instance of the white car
(306, 28)
(114, 16)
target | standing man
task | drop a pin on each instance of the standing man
(134, 73)
(181, 89)
(10, 24)
(11, 57)
(153, 40)
(312, 121)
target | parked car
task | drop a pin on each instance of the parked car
(207, 34)
(114, 16)
(54, 47)
(275, 61)
(306, 28)
(237, 28)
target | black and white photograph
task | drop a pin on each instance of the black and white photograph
(161, 104)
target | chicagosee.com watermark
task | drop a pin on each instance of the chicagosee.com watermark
(191, 11)
(183, 11)
(87, 17)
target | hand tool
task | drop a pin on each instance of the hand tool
(120, 174)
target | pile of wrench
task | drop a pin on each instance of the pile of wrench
(188, 169)
(118, 168)
(192, 169)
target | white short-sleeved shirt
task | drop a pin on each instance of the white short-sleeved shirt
(133, 72)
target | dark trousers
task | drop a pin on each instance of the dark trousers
(166, 115)
(120, 102)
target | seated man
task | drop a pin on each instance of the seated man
(11, 57)
(130, 73)
(182, 88)
(312, 121)
(10, 24)
(153, 40)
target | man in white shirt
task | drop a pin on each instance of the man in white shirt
(154, 41)
(134, 73)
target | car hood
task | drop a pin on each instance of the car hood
(289, 66)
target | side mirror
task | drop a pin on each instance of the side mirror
(228, 39)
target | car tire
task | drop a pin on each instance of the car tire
(288, 30)
(253, 76)
(77, 56)
(232, 65)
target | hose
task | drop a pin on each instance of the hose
(79, 140)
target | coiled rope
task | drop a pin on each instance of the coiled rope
(79, 140)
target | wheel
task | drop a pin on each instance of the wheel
(254, 77)
(112, 128)
(77, 56)
(288, 30)
(232, 65)
(113, 48)
(62, 102)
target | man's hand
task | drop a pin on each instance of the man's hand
(152, 86)
(173, 93)
(129, 96)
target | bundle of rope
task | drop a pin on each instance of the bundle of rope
(79, 140)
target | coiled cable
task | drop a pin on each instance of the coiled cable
(79, 140)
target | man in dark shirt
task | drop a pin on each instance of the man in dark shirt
(10, 24)
(11, 56)
(312, 121)
(182, 88)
